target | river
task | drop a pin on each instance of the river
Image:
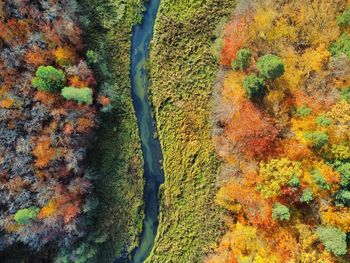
(151, 149)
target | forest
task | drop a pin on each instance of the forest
(282, 130)
(250, 104)
(47, 117)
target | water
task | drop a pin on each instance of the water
(152, 154)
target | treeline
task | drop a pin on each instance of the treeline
(282, 130)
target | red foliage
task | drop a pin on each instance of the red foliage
(235, 37)
(253, 133)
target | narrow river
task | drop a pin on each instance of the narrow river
(152, 154)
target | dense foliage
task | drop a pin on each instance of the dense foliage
(48, 79)
(81, 95)
(286, 156)
(43, 138)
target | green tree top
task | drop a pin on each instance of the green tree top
(341, 46)
(48, 79)
(242, 60)
(280, 212)
(254, 86)
(270, 66)
(82, 95)
(333, 239)
(23, 216)
(343, 20)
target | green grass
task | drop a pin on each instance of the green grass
(183, 73)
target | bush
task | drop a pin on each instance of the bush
(280, 212)
(333, 239)
(92, 57)
(49, 79)
(242, 60)
(345, 94)
(323, 121)
(343, 20)
(82, 95)
(341, 46)
(317, 138)
(294, 181)
(343, 197)
(307, 196)
(23, 216)
(319, 180)
(344, 170)
(254, 86)
(303, 111)
(270, 66)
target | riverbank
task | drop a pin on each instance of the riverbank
(183, 74)
(117, 154)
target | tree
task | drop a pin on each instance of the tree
(319, 180)
(303, 111)
(23, 216)
(277, 173)
(323, 121)
(345, 94)
(253, 133)
(280, 212)
(317, 138)
(333, 239)
(242, 59)
(270, 66)
(341, 46)
(82, 95)
(254, 86)
(307, 196)
(343, 20)
(235, 35)
(48, 79)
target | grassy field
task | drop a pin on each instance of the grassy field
(116, 155)
(183, 73)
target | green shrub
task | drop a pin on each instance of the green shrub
(341, 46)
(303, 111)
(317, 138)
(23, 216)
(270, 66)
(254, 86)
(48, 79)
(92, 57)
(307, 196)
(242, 60)
(343, 20)
(343, 197)
(319, 180)
(82, 95)
(345, 94)
(344, 170)
(294, 181)
(280, 212)
(333, 239)
(323, 121)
